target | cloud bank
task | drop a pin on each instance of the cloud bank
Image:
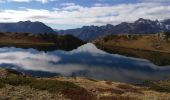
(42, 1)
(98, 14)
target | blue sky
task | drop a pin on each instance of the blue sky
(66, 14)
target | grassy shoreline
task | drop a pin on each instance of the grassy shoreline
(26, 44)
(139, 46)
(16, 85)
(138, 42)
(67, 42)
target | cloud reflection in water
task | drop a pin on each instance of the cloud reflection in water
(86, 60)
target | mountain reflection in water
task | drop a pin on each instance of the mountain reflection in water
(86, 60)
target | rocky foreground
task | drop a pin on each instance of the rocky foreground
(17, 86)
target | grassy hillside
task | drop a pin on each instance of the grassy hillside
(39, 40)
(142, 42)
(15, 85)
(150, 47)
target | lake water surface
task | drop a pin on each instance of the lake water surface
(86, 61)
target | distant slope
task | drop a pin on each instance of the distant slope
(46, 41)
(141, 26)
(138, 42)
(155, 48)
(26, 27)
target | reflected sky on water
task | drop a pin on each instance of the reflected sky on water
(86, 60)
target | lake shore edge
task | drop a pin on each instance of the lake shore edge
(74, 88)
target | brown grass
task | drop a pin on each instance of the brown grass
(111, 90)
(109, 82)
(78, 94)
(68, 89)
(117, 97)
(145, 42)
(128, 88)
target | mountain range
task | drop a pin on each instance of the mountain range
(140, 26)
(89, 33)
(26, 27)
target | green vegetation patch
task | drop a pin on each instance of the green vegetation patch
(161, 86)
(68, 89)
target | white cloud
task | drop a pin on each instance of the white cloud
(101, 4)
(68, 4)
(42, 1)
(71, 13)
(18, 0)
(155, 0)
(2, 1)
